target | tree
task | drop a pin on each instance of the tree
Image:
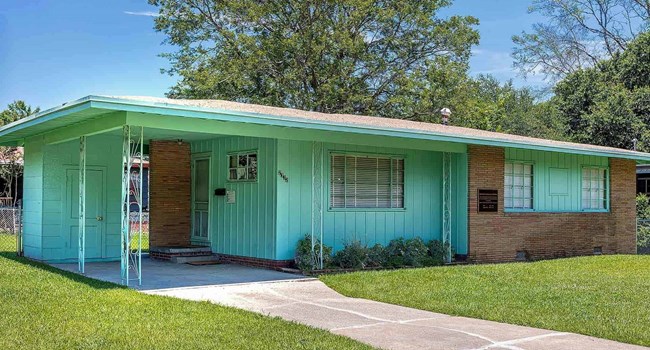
(348, 56)
(578, 34)
(11, 158)
(17, 110)
(609, 104)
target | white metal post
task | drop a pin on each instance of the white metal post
(124, 210)
(132, 148)
(446, 205)
(317, 200)
(82, 204)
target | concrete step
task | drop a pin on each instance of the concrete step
(195, 250)
(194, 258)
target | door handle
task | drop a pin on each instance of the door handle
(100, 218)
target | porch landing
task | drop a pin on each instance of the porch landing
(158, 274)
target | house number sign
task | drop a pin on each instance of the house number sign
(488, 200)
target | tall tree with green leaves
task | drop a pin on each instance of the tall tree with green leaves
(578, 34)
(17, 110)
(609, 104)
(11, 158)
(348, 56)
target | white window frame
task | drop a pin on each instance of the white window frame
(509, 188)
(238, 168)
(394, 185)
(587, 205)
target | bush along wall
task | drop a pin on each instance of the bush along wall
(400, 252)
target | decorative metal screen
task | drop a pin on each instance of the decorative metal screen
(242, 166)
(366, 182)
(594, 188)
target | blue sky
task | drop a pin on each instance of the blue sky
(54, 51)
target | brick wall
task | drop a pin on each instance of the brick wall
(495, 237)
(169, 193)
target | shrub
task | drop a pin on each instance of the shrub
(306, 260)
(354, 255)
(377, 256)
(408, 252)
(436, 252)
(643, 227)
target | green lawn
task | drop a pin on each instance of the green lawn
(7, 243)
(603, 296)
(45, 308)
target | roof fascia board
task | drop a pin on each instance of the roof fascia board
(47, 115)
(196, 125)
(98, 125)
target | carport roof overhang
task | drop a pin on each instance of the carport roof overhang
(96, 114)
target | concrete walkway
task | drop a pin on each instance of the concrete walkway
(383, 325)
(162, 275)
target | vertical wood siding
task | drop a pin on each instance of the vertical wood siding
(556, 177)
(247, 227)
(103, 152)
(33, 198)
(421, 216)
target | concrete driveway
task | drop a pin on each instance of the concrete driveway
(383, 325)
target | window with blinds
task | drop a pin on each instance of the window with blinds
(366, 182)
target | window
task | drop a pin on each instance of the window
(366, 182)
(594, 188)
(518, 185)
(242, 166)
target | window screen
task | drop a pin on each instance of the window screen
(366, 182)
(594, 188)
(518, 185)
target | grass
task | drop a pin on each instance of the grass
(46, 308)
(7, 243)
(603, 296)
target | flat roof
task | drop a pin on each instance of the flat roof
(266, 115)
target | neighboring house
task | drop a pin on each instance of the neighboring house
(249, 181)
(643, 179)
(135, 178)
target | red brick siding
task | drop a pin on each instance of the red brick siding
(495, 237)
(256, 262)
(169, 193)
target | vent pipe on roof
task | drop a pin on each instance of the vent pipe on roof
(445, 112)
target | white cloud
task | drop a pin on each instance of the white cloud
(142, 13)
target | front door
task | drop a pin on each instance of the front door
(200, 199)
(95, 213)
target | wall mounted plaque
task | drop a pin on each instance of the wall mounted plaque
(488, 200)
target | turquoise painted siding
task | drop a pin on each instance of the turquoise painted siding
(33, 198)
(247, 227)
(422, 215)
(294, 196)
(556, 177)
(103, 153)
(459, 239)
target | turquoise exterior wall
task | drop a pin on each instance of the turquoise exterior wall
(556, 177)
(247, 227)
(50, 230)
(104, 154)
(33, 198)
(422, 215)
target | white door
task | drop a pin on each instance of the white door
(201, 199)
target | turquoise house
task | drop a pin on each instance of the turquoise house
(248, 181)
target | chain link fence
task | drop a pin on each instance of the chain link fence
(135, 225)
(643, 236)
(11, 229)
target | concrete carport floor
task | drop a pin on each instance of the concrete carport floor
(383, 325)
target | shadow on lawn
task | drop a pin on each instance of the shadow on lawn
(97, 284)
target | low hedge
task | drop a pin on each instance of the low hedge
(400, 252)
